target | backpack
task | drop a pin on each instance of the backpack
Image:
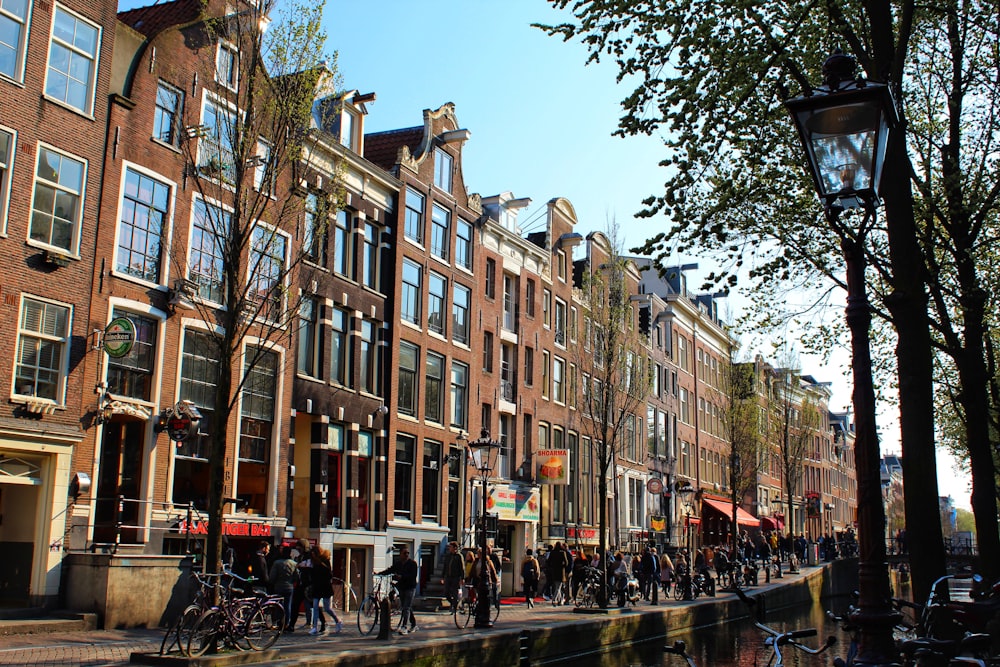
(530, 569)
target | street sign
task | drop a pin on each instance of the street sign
(119, 337)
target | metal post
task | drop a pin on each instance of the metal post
(483, 601)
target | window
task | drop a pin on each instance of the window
(349, 129)
(340, 346)
(460, 314)
(260, 369)
(529, 366)
(370, 271)
(43, 340)
(491, 278)
(547, 308)
(586, 485)
(406, 446)
(132, 375)
(167, 115)
(443, 163)
(463, 244)
(459, 395)
(410, 307)
(314, 242)
(263, 179)
(215, 150)
(509, 302)
(636, 501)
(227, 65)
(631, 443)
(369, 358)
(685, 407)
(561, 265)
(529, 298)
(434, 388)
(268, 259)
(72, 60)
(309, 338)
(409, 355)
(560, 323)
(440, 234)
(546, 361)
(413, 225)
(205, 268)
(488, 351)
(437, 292)
(559, 380)
(199, 370)
(7, 143)
(13, 22)
(430, 498)
(143, 212)
(343, 249)
(57, 205)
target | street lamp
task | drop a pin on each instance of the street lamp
(483, 456)
(844, 126)
(685, 491)
(734, 466)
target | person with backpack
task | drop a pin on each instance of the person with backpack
(529, 577)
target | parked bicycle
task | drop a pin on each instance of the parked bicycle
(370, 609)
(242, 620)
(587, 594)
(178, 635)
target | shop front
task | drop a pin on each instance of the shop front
(516, 507)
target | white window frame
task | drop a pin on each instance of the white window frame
(176, 125)
(190, 247)
(5, 178)
(65, 342)
(257, 261)
(82, 196)
(232, 53)
(219, 139)
(350, 125)
(444, 165)
(94, 59)
(167, 226)
(21, 47)
(263, 182)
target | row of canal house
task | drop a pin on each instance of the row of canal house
(425, 316)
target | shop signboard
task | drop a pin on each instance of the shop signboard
(513, 503)
(552, 466)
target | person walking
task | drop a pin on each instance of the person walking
(322, 591)
(529, 578)
(666, 573)
(300, 596)
(284, 575)
(453, 575)
(259, 567)
(405, 573)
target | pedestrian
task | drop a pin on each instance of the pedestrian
(284, 575)
(322, 591)
(529, 577)
(470, 563)
(647, 571)
(300, 596)
(259, 567)
(405, 574)
(580, 565)
(666, 573)
(543, 563)
(453, 574)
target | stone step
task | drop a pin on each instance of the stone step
(44, 622)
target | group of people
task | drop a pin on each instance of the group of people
(466, 569)
(303, 576)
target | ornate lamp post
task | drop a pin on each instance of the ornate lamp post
(685, 493)
(483, 456)
(844, 126)
(734, 467)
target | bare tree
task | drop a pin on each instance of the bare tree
(615, 380)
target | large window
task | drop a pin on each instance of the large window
(409, 356)
(7, 143)
(434, 388)
(443, 163)
(459, 395)
(558, 380)
(370, 274)
(57, 205)
(140, 231)
(131, 376)
(340, 346)
(463, 244)
(72, 60)
(268, 260)
(314, 242)
(413, 225)
(227, 65)
(216, 156)
(342, 247)
(411, 292)
(437, 293)
(199, 373)
(369, 369)
(406, 446)
(430, 500)
(440, 232)
(309, 338)
(256, 428)
(43, 339)
(460, 314)
(210, 227)
(167, 115)
(13, 32)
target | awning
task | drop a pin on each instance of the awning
(767, 523)
(743, 518)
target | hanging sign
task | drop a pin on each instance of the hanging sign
(119, 337)
(552, 466)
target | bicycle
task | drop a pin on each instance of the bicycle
(587, 593)
(776, 639)
(179, 633)
(680, 648)
(343, 599)
(370, 609)
(253, 622)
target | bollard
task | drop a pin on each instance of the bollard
(767, 574)
(655, 583)
(385, 621)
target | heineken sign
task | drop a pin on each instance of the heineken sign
(119, 337)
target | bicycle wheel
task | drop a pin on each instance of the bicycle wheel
(679, 591)
(264, 626)
(464, 612)
(368, 612)
(203, 633)
(494, 606)
(343, 598)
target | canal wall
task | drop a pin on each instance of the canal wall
(618, 632)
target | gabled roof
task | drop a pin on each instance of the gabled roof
(382, 148)
(156, 18)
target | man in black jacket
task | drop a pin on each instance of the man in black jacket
(405, 571)
(453, 574)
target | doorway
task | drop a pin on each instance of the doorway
(120, 476)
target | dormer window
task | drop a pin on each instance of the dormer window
(349, 125)
(443, 163)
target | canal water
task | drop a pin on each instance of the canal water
(739, 643)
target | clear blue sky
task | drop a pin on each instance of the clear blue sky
(540, 121)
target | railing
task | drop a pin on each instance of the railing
(185, 515)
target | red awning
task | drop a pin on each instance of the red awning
(768, 523)
(743, 518)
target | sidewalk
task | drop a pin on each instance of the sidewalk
(115, 647)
